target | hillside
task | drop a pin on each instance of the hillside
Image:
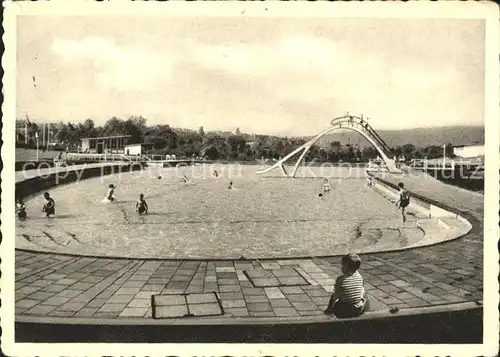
(420, 137)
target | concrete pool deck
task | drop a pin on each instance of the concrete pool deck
(64, 289)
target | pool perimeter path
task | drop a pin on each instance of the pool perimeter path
(52, 287)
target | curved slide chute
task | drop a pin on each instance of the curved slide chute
(354, 123)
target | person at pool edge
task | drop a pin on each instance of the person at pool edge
(348, 298)
(141, 206)
(21, 209)
(404, 199)
(50, 206)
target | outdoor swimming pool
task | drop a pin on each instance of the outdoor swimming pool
(264, 217)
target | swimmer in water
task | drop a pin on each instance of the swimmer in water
(21, 209)
(111, 191)
(216, 174)
(326, 186)
(141, 206)
(50, 206)
(231, 186)
(184, 179)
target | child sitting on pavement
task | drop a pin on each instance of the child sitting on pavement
(348, 299)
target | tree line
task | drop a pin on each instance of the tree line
(217, 145)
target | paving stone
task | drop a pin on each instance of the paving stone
(261, 313)
(81, 286)
(270, 265)
(229, 288)
(228, 281)
(112, 307)
(256, 298)
(54, 288)
(201, 298)
(274, 293)
(300, 306)
(416, 302)
(321, 301)
(153, 288)
(231, 296)
(28, 289)
(253, 291)
(127, 291)
(205, 309)
(265, 282)
(399, 283)
(66, 281)
(40, 310)
(285, 311)
(298, 298)
(317, 293)
(134, 312)
(144, 295)
(58, 313)
(236, 312)
(40, 295)
(310, 312)
(233, 303)
(388, 288)
(170, 311)
(163, 300)
(87, 312)
(225, 269)
(55, 276)
(107, 314)
(92, 279)
(275, 303)
(259, 307)
(68, 293)
(71, 306)
(140, 303)
(96, 303)
(55, 300)
(117, 299)
(41, 283)
(285, 272)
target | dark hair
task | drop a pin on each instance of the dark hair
(401, 185)
(352, 261)
(141, 196)
(46, 194)
(111, 185)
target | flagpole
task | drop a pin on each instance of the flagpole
(37, 142)
(444, 156)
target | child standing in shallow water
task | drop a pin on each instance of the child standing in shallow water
(111, 191)
(141, 206)
(21, 209)
(50, 206)
(348, 299)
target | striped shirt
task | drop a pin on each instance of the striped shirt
(349, 288)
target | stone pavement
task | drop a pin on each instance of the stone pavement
(55, 285)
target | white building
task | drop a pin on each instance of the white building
(137, 149)
(468, 151)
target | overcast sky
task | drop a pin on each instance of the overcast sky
(280, 76)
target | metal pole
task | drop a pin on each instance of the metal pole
(26, 132)
(444, 156)
(36, 136)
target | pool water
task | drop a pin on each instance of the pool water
(262, 217)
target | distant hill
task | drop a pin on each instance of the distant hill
(420, 137)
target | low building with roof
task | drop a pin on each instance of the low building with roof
(100, 145)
